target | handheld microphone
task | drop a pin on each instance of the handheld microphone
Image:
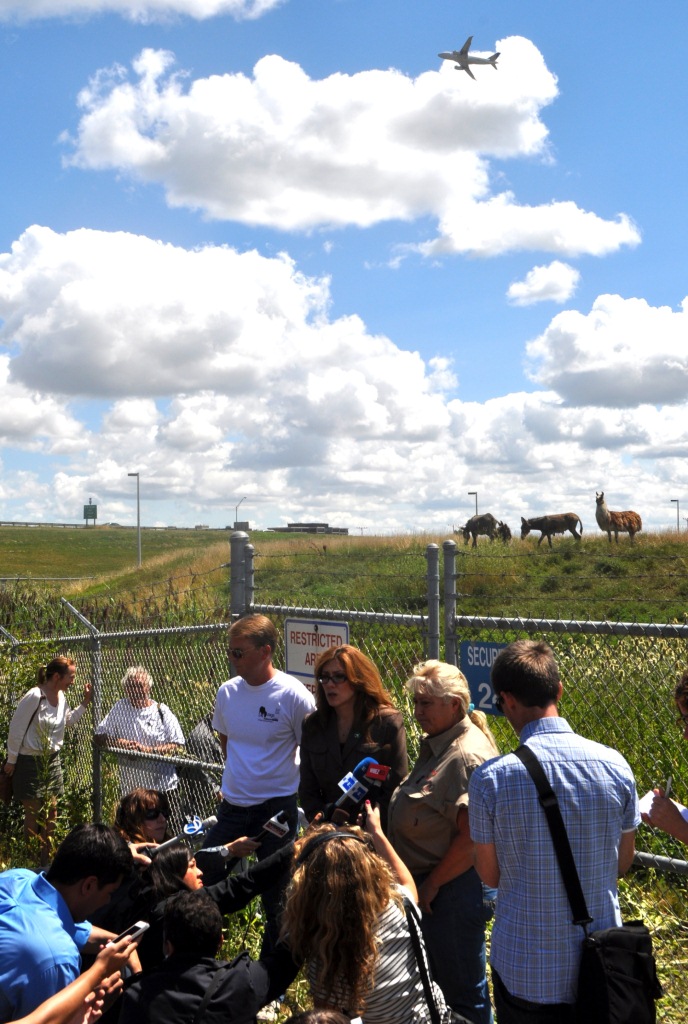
(357, 785)
(192, 833)
(276, 826)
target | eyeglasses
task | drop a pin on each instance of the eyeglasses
(154, 813)
(499, 702)
(333, 677)
(237, 653)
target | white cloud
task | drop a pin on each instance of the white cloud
(33, 421)
(554, 283)
(143, 11)
(622, 354)
(222, 375)
(286, 151)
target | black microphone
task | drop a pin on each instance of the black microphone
(358, 785)
(278, 825)
(192, 833)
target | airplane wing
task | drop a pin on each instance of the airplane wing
(466, 47)
(465, 67)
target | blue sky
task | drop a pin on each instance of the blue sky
(281, 251)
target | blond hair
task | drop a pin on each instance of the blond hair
(439, 679)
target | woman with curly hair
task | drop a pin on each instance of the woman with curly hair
(345, 915)
(354, 718)
(428, 827)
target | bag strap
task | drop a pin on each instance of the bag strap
(562, 846)
(35, 712)
(415, 933)
(212, 988)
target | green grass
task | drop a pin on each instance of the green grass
(618, 690)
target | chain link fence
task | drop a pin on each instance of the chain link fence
(618, 684)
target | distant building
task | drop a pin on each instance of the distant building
(310, 528)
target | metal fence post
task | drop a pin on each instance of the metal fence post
(249, 552)
(432, 554)
(96, 704)
(450, 652)
(237, 574)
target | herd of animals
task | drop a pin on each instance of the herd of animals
(561, 522)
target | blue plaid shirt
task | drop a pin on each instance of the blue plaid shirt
(535, 946)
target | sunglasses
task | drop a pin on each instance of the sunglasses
(155, 813)
(237, 653)
(333, 677)
(499, 702)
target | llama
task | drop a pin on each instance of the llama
(625, 522)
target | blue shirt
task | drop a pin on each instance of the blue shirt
(535, 945)
(39, 942)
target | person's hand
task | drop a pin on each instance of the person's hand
(373, 825)
(8, 768)
(115, 955)
(663, 813)
(138, 852)
(87, 695)
(426, 894)
(242, 847)
(90, 1010)
(126, 744)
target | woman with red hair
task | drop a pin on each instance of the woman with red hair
(354, 718)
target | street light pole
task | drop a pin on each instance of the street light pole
(678, 528)
(138, 517)
(475, 495)
(236, 512)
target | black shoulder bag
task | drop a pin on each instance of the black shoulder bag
(423, 969)
(617, 980)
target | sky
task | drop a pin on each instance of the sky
(281, 260)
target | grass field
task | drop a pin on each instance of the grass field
(184, 579)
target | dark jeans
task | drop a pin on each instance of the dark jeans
(234, 822)
(511, 1010)
(454, 937)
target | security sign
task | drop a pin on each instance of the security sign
(477, 659)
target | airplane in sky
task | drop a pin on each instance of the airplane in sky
(463, 58)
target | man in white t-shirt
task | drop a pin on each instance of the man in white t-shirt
(138, 723)
(258, 718)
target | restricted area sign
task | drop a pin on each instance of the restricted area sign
(305, 640)
(477, 659)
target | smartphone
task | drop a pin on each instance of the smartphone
(135, 930)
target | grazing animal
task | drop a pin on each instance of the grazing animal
(624, 522)
(485, 525)
(549, 525)
(503, 532)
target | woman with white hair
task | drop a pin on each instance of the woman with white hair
(138, 724)
(428, 828)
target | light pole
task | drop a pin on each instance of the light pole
(678, 528)
(475, 495)
(138, 517)
(236, 512)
